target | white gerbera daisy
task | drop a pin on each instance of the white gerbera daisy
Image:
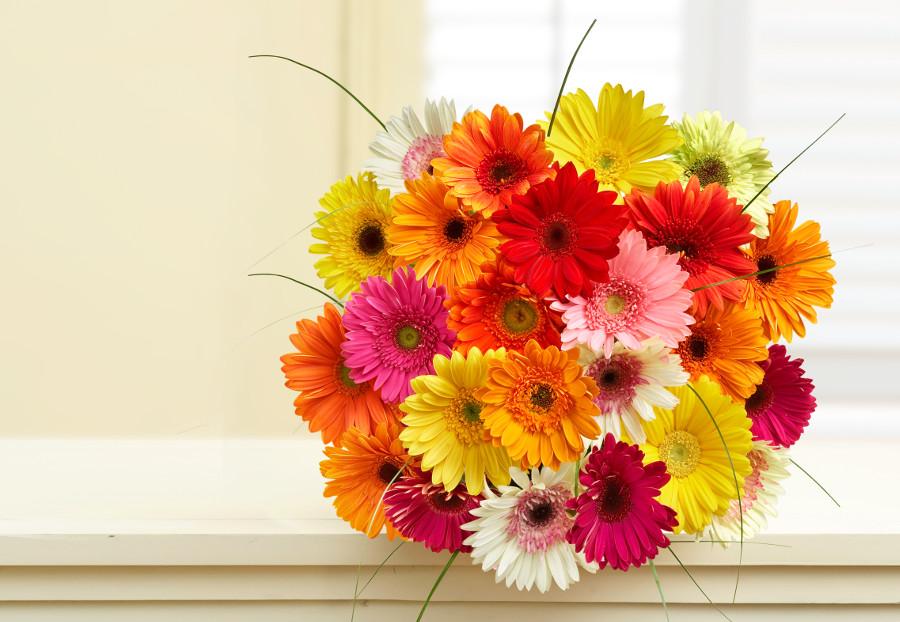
(521, 534)
(761, 491)
(631, 383)
(407, 148)
(720, 152)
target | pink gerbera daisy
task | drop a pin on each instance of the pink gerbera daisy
(781, 406)
(427, 513)
(618, 520)
(393, 331)
(644, 297)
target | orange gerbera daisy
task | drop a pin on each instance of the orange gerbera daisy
(538, 405)
(785, 296)
(329, 400)
(496, 312)
(726, 344)
(432, 231)
(491, 160)
(359, 471)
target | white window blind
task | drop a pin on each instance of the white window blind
(783, 70)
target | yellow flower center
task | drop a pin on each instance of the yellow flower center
(614, 304)
(463, 419)
(519, 316)
(407, 337)
(608, 161)
(680, 451)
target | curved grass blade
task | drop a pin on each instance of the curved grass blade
(758, 272)
(694, 581)
(325, 75)
(378, 569)
(566, 77)
(312, 287)
(435, 586)
(662, 597)
(815, 481)
(781, 546)
(294, 236)
(737, 488)
(796, 157)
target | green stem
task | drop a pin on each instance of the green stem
(435, 586)
(312, 287)
(796, 157)
(566, 77)
(325, 75)
(815, 481)
(694, 581)
(662, 597)
(758, 272)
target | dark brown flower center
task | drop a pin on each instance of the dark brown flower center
(455, 229)
(370, 240)
(500, 170)
(540, 513)
(760, 401)
(766, 262)
(542, 396)
(388, 471)
(698, 346)
(557, 236)
(447, 504)
(614, 500)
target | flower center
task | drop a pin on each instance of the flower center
(456, 229)
(760, 401)
(388, 472)
(540, 513)
(407, 337)
(680, 451)
(616, 377)
(343, 375)
(709, 169)
(370, 240)
(556, 236)
(444, 502)
(766, 262)
(607, 161)
(614, 498)
(698, 346)
(418, 157)
(614, 306)
(542, 396)
(539, 519)
(684, 237)
(500, 170)
(519, 316)
(463, 418)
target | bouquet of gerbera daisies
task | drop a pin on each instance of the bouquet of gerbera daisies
(552, 346)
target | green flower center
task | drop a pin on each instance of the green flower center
(344, 377)
(680, 451)
(519, 316)
(408, 337)
(710, 169)
(614, 304)
(471, 411)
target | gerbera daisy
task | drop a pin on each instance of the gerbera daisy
(538, 405)
(358, 472)
(405, 150)
(352, 230)
(393, 332)
(631, 383)
(784, 297)
(491, 160)
(761, 491)
(705, 227)
(521, 534)
(618, 138)
(431, 231)
(719, 152)
(783, 402)
(428, 513)
(497, 312)
(727, 345)
(444, 426)
(643, 297)
(619, 520)
(561, 233)
(329, 400)
(689, 442)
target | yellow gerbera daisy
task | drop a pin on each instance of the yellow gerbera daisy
(444, 425)
(353, 224)
(431, 230)
(687, 440)
(618, 138)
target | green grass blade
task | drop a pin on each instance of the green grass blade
(378, 569)
(566, 77)
(758, 272)
(312, 287)
(795, 158)
(435, 586)
(737, 488)
(694, 581)
(662, 597)
(815, 481)
(295, 234)
(326, 76)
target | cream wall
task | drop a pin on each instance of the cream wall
(145, 164)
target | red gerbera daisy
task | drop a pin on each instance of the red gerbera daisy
(782, 404)
(561, 233)
(618, 520)
(706, 227)
(491, 160)
(497, 312)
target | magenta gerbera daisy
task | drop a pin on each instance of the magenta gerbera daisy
(781, 406)
(643, 297)
(618, 520)
(393, 331)
(428, 513)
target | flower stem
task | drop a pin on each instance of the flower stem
(566, 77)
